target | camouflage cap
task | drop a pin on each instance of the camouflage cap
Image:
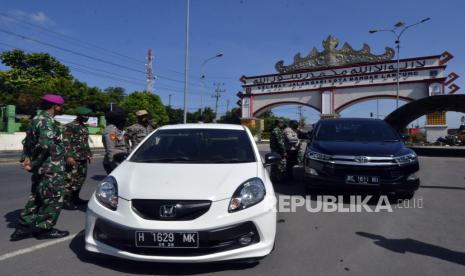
(82, 110)
(141, 113)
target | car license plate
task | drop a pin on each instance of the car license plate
(167, 239)
(362, 179)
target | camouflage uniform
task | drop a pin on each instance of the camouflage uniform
(137, 132)
(76, 142)
(115, 143)
(292, 143)
(43, 145)
(277, 145)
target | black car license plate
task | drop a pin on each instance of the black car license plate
(362, 179)
(167, 239)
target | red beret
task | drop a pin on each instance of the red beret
(56, 99)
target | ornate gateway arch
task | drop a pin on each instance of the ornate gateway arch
(334, 79)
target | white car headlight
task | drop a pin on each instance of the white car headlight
(107, 193)
(406, 159)
(318, 156)
(248, 194)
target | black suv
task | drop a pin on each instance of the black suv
(360, 153)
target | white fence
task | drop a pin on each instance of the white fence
(13, 141)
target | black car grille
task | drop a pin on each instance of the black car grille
(387, 173)
(153, 209)
(210, 241)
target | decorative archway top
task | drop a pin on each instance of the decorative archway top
(331, 56)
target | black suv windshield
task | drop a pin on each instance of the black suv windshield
(196, 146)
(355, 131)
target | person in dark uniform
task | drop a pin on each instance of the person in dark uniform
(114, 139)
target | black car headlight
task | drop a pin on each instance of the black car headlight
(248, 194)
(107, 193)
(318, 156)
(406, 159)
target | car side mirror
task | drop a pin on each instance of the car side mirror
(272, 158)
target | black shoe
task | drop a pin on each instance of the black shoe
(69, 205)
(51, 234)
(21, 233)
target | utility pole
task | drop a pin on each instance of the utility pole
(227, 105)
(169, 100)
(217, 96)
(149, 70)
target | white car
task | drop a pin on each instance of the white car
(187, 193)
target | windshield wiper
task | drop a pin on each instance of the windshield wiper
(180, 159)
(391, 140)
(231, 160)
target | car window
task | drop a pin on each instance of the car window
(196, 146)
(355, 131)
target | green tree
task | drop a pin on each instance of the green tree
(208, 116)
(144, 100)
(231, 117)
(175, 115)
(31, 69)
(115, 94)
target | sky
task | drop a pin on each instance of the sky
(105, 43)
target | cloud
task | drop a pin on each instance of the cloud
(39, 17)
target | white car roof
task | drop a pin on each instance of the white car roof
(201, 125)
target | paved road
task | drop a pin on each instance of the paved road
(408, 241)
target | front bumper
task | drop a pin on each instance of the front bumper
(113, 233)
(332, 176)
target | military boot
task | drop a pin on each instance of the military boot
(51, 234)
(21, 232)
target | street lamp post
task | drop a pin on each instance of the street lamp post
(186, 60)
(202, 78)
(398, 30)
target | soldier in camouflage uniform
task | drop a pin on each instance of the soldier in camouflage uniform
(277, 145)
(138, 131)
(77, 155)
(114, 139)
(43, 155)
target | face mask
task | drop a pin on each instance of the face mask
(83, 119)
(59, 110)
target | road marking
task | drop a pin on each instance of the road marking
(36, 247)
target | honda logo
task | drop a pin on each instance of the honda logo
(361, 159)
(168, 211)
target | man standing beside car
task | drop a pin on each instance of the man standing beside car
(278, 145)
(138, 131)
(43, 155)
(292, 147)
(114, 139)
(78, 154)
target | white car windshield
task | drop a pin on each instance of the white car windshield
(196, 146)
